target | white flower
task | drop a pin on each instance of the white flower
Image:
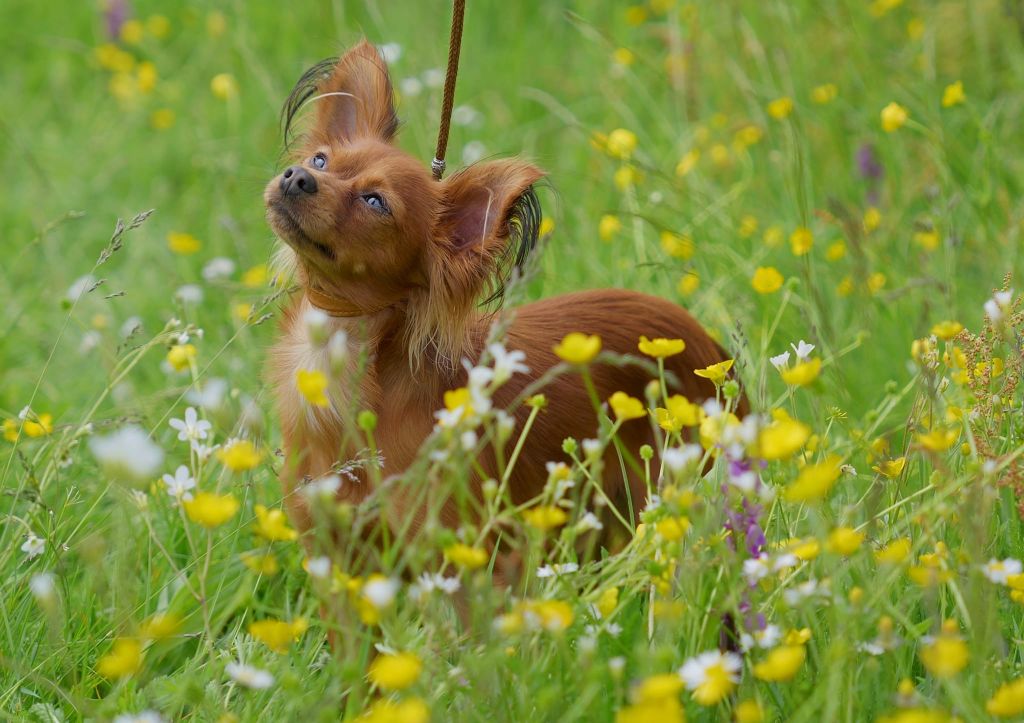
(428, 582)
(468, 440)
(131, 325)
(616, 665)
(433, 77)
(871, 648)
(767, 638)
(128, 454)
(315, 320)
(591, 448)
(784, 561)
(326, 486)
(679, 458)
(998, 305)
(410, 87)
(248, 676)
(803, 350)
(710, 665)
(380, 592)
(90, 340)
(145, 716)
(42, 586)
(189, 294)
(179, 485)
(203, 451)
(80, 286)
(337, 349)
(801, 592)
(999, 571)
(319, 567)
(210, 396)
(756, 569)
(473, 152)
(507, 363)
(218, 268)
(556, 570)
(391, 52)
(464, 115)
(33, 546)
(780, 361)
(192, 428)
(588, 522)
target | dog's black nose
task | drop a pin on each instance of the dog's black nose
(297, 180)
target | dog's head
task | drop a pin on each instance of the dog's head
(368, 223)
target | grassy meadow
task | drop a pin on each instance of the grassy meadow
(838, 174)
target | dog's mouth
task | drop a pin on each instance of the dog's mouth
(291, 231)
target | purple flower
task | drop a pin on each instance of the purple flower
(868, 164)
(114, 17)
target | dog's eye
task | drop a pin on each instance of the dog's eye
(319, 161)
(376, 202)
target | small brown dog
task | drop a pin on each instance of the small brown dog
(400, 262)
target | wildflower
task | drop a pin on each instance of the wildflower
(711, 676)
(161, 119)
(1008, 700)
(938, 439)
(182, 243)
(895, 552)
(377, 594)
(312, 384)
(998, 305)
(766, 280)
(748, 711)
(272, 525)
(264, 564)
(623, 57)
(781, 664)
(688, 283)
(621, 143)
(626, 407)
(675, 245)
(780, 108)
(146, 77)
(545, 517)
(782, 439)
(688, 162)
(191, 428)
(893, 117)
(577, 348)
(801, 241)
(33, 546)
(1000, 571)
(278, 635)
(660, 348)
(507, 363)
(408, 710)
(465, 556)
(844, 540)
(223, 86)
(715, 372)
(239, 455)
(211, 510)
(946, 330)
(248, 676)
(823, 94)
(180, 483)
(608, 601)
(124, 659)
(953, 94)
(814, 481)
(802, 373)
(396, 671)
(678, 412)
(144, 716)
(658, 687)
(891, 468)
(127, 454)
(160, 626)
(663, 710)
(625, 176)
(945, 655)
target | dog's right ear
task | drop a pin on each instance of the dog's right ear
(355, 100)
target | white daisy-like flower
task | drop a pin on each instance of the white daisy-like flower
(410, 87)
(128, 454)
(557, 570)
(798, 593)
(391, 52)
(616, 665)
(179, 485)
(679, 458)
(999, 571)
(465, 115)
(189, 294)
(997, 306)
(433, 77)
(712, 666)
(871, 648)
(429, 582)
(784, 561)
(145, 716)
(192, 427)
(780, 361)
(218, 268)
(209, 396)
(315, 321)
(326, 486)
(90, 340)
(468, 440)
(507, 363)
(42, 587)
(592, 448)
(203, 451)
(380, 592)
(588, 522)
(473, 152)
(318, 567)
(130, 326)
(756, 569)
(33, 546)
(248, 676)
(80, 286)
(767, 638)
(803, 350)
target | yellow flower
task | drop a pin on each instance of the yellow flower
(546, 227)
(773, 236)
(146, 77)
(836, 251)
(688, 162)
(782, 439)
(891, 467)
(577, 348)
(658, 687)
(623, 56)
(672, 528)
(158, 26)
(893, 117)
(875, 282)
(608, 601)
(946, 655)
(183, 243)
(895, 552)
(11, 433)
(781, 664)
(264, 564)
(255, 277)
(680, 412)
(131, 32)
(162, 119)
(272, 525)
(780, 108)
(801, 241)
(746, 137)
(239, 456)
(278, 635)
(659, 348)
(621, 143)
(216, 24)
(465, 556)
(938, 439)
(676, 246)
(663, 710)
(715, 372)
(814, 481)
(545, 517)
(407, 710)
(823, 94)
(802, 374)
(872, 219)
(608, 226)
(112, 58)
(396, 671)
(625, 177)
(749, 711)
(160, 626)
(688, 283)
(181, 356)
(1008, 700)
(223, 86)
(636, 14)
(766, 280)
(312, 384)
(953, 94)
(946, 330)
(748, 226)
(124, 659)
(806, 549)
(626, 407)
(845, 540)
(211, 510)
(39, 427)
(928, 240)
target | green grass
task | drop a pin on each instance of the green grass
(541, 76)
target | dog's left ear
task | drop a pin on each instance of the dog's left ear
(357, 100)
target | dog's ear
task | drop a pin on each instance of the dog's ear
(356, 99)
(488, 226)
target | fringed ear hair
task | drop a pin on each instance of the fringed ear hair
(304, 89)
(488, 228)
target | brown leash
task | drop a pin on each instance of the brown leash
(454, 45)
